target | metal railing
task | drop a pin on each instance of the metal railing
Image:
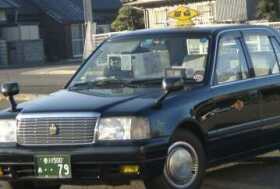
(275, 25)
(99, 38)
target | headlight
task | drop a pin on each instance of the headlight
(8, 131)
(123, 128)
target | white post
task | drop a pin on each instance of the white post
(90, 29)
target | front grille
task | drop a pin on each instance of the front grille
(56, 129)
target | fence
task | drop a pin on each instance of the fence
(99, 38)
(275, 25)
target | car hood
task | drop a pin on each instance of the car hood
(127, 101)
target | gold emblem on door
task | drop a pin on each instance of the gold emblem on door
(238, 105)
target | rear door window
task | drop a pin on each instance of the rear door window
(262, 54)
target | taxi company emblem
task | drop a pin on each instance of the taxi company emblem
(53, 130)
(183, 15)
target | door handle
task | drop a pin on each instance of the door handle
(237, 105)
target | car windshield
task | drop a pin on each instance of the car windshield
(144, 59)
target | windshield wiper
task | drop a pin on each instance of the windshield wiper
(101, 83)
(116, 82)
(145, 82)
(77, 85)
(156, 81)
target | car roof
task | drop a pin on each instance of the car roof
(203, 30)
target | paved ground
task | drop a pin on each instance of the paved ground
(262, 173)
(257, 174)
(42, 80)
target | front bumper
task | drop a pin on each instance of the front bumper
(98, 164)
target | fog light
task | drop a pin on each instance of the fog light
(130, 169)
(1, 172)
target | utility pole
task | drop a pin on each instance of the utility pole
(90, 29)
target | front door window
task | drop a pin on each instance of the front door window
(231, 62)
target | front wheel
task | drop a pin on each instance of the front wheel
(185, 164)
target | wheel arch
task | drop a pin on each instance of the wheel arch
(195, 128)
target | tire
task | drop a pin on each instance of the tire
(30, 185)
(182, 141)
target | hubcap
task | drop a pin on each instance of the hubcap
(181, 167)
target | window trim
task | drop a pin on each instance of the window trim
(238, 37)
(274, 50)
(241, 31)
(245, 80)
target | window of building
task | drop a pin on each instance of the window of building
(77, 33)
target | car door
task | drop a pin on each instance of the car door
(233, 119)
(264, 51)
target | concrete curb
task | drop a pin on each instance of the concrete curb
(50, 72)
(24, 97)
(5, 185)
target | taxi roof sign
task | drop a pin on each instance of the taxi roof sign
(183, 15)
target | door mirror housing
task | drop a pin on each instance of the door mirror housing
(10, 90)
(169, 85)
(173, 84)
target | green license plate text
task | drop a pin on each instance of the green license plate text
(53, 166)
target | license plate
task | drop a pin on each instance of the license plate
(53, 166)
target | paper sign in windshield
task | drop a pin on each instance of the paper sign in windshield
(126, 63)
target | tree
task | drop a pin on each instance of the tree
(268, 10)
(129, 18)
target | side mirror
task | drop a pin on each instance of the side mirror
(10, 90)
(172, 84)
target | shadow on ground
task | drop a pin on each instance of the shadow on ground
(260, 173)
